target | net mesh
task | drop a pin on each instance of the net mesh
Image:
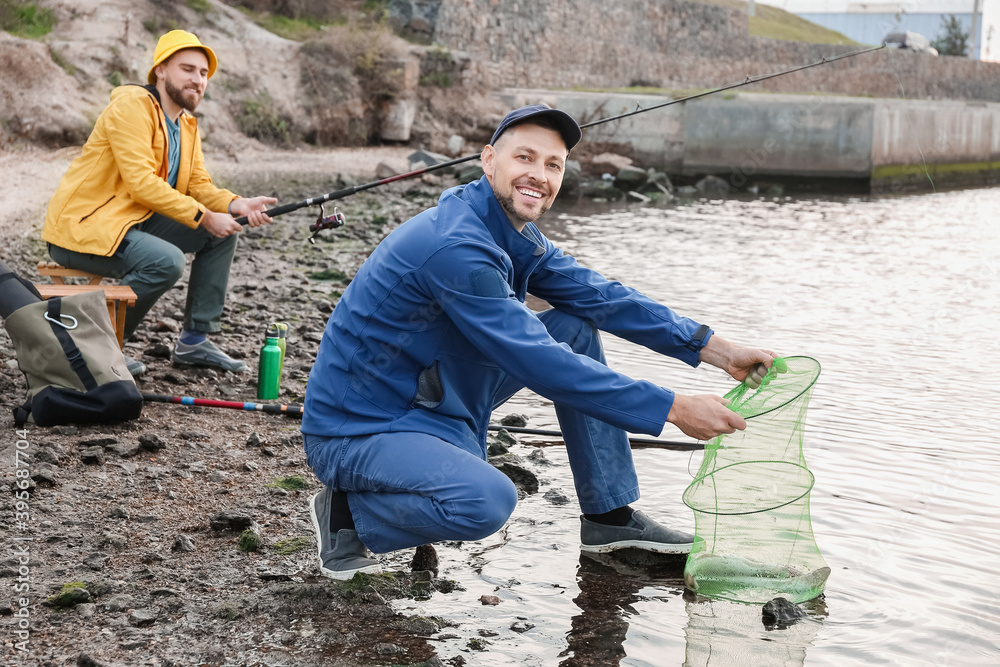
(754, 538)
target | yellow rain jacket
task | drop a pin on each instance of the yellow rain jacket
(120, 179)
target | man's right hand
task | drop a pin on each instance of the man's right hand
(704, 416)
(219, 225)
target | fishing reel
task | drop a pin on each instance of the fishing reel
(323, 221)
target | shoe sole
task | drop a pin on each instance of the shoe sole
(339, 575)
(204, 364)
(680, 549)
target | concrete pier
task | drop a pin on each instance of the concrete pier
(890, 144)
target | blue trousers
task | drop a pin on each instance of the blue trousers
(150, 259)
(408, 489)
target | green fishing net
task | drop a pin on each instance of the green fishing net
(754, 538)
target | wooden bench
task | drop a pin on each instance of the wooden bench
(58, 273)
(117, 296)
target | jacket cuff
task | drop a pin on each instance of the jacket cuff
(698, 341)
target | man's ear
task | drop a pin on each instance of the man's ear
(488, 159)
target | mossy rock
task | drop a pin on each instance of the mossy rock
(250, 540)
(291, 545)
(70, 595)
(290, 483)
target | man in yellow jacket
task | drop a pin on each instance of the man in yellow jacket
(138, 198)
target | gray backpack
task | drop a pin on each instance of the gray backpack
(69, 355)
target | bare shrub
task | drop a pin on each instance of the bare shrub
(348, 74)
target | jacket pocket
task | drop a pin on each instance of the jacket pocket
(430, 390)
(98, 208)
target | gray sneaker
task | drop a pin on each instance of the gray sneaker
(343, 556)
(134, 366)
(640, 533)
(205, 354)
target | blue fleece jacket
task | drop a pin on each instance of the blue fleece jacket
(422, 337)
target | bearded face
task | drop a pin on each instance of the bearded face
(525, 169)
(184, 77)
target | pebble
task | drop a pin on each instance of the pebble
(118, 602)
(182, 544)
(93, 455)
(123, 449)
(510, 465)
(151, 442)
(234, 521)
(97, 442)
(556, 497)
(128, 468)
(45, 474)
(139, 617)
(114, 540)
(96, 560)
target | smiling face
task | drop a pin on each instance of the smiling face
(183, 78)
(525, 168)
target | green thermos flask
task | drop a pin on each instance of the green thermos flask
(269, 370)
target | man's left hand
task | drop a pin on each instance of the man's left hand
(742, 363)
(253, 208)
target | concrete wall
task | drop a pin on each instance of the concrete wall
(746, 137)
(567, 44)
(947, 142)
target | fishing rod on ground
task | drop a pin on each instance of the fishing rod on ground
(335, 220)
(293, 410)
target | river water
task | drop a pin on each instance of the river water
(898, 299)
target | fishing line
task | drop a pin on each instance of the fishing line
(909, 120)
(746, 82)
(328, 222)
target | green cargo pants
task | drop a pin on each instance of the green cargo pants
(150, 259)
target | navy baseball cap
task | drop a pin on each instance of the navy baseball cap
(568, 128)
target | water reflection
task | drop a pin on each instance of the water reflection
(717, 634)
(730, 634)
(609, 587)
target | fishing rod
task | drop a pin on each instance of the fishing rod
(293, 410)
(337, 219)
(638, 443)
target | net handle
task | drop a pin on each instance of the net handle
(739, 387)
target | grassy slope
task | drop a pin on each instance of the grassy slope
(778, 24)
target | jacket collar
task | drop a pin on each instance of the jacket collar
(524, 248)
(152, 90)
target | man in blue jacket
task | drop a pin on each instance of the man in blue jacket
(433, 333)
